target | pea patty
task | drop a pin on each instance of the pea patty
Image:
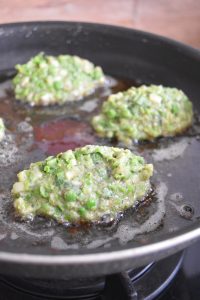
(2, 129)
(144, 113)
(46, 80)
(82, 185)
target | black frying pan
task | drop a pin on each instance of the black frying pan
(136, 57)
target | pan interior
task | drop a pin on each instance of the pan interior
(34, 133)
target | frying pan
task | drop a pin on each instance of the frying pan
(142, 58)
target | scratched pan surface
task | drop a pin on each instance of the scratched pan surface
(161, 226)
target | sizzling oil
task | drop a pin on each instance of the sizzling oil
(34, 133)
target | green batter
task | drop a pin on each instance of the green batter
(46, 80)
(2, 129)
(144, 113)
(82, 185)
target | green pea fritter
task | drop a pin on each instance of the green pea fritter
(46, 79)
(82, 185)
(144, 113)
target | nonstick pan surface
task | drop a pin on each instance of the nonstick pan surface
(160, 227)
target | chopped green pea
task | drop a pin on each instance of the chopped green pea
(111, 113)
(71, 196)
(175, 109)
(47, 169)
(90, 204)
(82, 211)
(58, 85)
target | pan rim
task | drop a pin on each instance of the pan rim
(180, 241)
(124, 29)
